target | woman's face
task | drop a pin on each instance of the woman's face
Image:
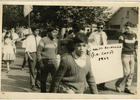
(54, 33)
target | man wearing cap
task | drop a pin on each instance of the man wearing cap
(99, 38)
(130, 46)
(47, 56)
(31, 49)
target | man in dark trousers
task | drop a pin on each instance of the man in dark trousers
(47, 56)
(98, 38)
(31, 48)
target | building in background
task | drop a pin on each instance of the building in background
(121, 17)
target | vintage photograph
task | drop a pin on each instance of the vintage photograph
(72, 49)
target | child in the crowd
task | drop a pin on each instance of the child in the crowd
(8, 50)
(74, 70)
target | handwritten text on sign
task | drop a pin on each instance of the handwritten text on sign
(106, 62)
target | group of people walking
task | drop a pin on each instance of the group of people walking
(74, 70)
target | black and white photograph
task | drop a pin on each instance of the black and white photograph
(70, 49)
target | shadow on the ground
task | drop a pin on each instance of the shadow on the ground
(20, 55)
(12, 89)
(17, 81)
(14, 68)
(87, 91)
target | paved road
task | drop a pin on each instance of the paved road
(18, 81)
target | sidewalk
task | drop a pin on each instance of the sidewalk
(18, 80)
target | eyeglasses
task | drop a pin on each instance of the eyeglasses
(100, 27)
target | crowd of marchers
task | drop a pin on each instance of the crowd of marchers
(74, 69)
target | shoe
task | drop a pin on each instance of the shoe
(118, 89)
(22, 68)
(37, 86)
(128, 91)
(8, 71)
(102, 88)
(33, 88)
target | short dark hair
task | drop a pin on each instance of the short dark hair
(80, 37)
(7, 34)
(34, 27)
(100, 23)
(50, 29)
(129, 24)
(77, 27)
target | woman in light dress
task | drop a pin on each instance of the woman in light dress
(8, 50)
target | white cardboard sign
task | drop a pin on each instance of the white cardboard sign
(106, 62)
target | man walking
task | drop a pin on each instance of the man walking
(74, 70)
(98, 38)
(130, 46)
(31, 48)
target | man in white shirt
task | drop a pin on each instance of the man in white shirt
(98, 38)
(31, 48)
(14, 35)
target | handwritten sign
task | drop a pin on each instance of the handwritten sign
(106, 62)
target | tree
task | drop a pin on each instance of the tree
(65, 16)
(62, 16)
(13, 16)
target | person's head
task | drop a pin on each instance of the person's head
(80, 43)
(78, 28)
(53, 31)
(100, 26)
(67, 30)
(35, 30)
(87, 30)
(4, 30)
(7, 35)
(70, 32)
(12, 30)
(128, 27)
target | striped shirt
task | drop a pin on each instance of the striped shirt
(47, 49)
(129, 41)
